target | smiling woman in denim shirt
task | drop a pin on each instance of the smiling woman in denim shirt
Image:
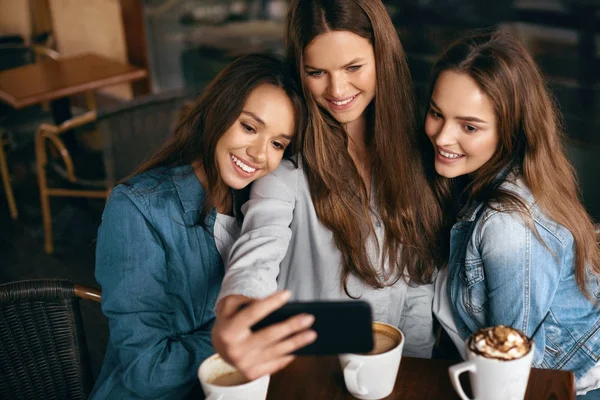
(522, 249)
(165, 230)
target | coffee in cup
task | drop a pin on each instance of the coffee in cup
(222, 381)
(373, 375)
(232, 378)
(499, 362)
(384, 339)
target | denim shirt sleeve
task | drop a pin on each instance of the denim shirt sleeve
(131, 268)
(521, 272)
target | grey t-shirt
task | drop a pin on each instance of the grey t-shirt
(283, 245)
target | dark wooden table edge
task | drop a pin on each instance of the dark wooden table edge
(69, 91)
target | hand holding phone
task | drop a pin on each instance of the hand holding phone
(341, 326)
(266, 351)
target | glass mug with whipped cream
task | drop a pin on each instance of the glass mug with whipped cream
(498, 361)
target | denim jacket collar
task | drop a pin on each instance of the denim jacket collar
(507, 173)
(190, 191)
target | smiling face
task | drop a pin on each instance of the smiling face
(461, 125)
(340, 74)
(253, 146)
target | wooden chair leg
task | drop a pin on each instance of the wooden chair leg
(44, 197)
(47, 219)
(12, 205)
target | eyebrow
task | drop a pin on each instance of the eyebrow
(354, 61)
(469, 119)
(260, 121)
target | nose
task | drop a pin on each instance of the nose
(257, 150)
(445, 135)
(337, 86)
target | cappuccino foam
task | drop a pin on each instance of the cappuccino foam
(500, 342)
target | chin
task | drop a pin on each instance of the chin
(346, 118)
(445, 173)
(235, 184)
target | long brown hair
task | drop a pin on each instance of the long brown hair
(530, 139)
(402, 197)
(197, 133)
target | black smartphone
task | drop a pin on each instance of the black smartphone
(341, 326)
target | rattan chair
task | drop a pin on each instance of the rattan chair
(43, 350)
(130, 133)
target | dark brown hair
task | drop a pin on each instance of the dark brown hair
(402, 197)
(220, 104)
(530, 139)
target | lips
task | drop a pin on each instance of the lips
(447, 157)
(243, 167)
(342, 103)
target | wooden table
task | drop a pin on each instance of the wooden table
(53, 79)
(317, 378)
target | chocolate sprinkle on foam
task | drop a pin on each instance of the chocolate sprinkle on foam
(500, 342)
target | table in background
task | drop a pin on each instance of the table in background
(53, 79)
(317, 378)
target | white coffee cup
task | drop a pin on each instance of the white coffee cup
(221, 381)
(491, 378)
(373, 375)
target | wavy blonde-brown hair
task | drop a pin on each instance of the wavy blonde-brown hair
(530, 139)
(401, 194)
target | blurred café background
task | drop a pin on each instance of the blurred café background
(88, 88)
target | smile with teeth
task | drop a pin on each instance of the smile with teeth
(343, 102)
(244, 167)
(449, 155)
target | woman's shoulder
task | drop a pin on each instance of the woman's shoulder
(289, 167)
(500, 218)
(287, 173)
(287, 182)
(161, 182)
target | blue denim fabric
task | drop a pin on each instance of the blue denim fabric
(160, 275)
(593, 395)
(501, 273)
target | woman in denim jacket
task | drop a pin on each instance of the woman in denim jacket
(522, 248)
(165, 230)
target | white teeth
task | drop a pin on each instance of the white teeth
(243, 166)
(341, 103)
(449, 155)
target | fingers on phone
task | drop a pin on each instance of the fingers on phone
(269, 367)
(259, 309)
(293, 343)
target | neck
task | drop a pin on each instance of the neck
(357, 137)
(223, 201)
(357, 147)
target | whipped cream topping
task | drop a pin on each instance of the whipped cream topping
(500, 342)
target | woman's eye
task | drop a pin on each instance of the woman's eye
(470, 128)
(278, 145)
(314, 73)
(353, 68)
(434, 113)
(248, 128)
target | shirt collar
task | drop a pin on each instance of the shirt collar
(190, 191)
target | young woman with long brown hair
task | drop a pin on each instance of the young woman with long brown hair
(357, 218)
(522, 249)
(165, 230)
